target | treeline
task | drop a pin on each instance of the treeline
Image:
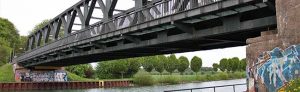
(9, 40)
(230, 65)
(126, 68)
(160, 63)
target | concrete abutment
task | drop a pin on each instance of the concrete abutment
(39, 74)
(273, 58)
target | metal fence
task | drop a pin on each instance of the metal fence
(212, 87)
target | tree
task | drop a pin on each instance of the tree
(9, 38)
(171, 64)
(89, 72)
(215, 66)
(243, 65)
(148, 63)
(183, 64)
(80, 70)
(4, 54)
(40, 26)
(196, 64)
(120, 66)
(223, 64)
(235, 64)
(104, 70)
(159, 63)
(134, 65)
(21, 46)
(8, 32)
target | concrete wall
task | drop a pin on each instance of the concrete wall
(273, 58)
(40, 74)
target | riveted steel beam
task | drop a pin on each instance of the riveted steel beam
(188, 28)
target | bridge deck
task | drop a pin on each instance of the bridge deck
(217, 24)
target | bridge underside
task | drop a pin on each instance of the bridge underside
(221, 28)
(174, 40)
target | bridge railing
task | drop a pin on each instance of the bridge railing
(130, 18)
(212, 87)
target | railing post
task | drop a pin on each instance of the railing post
(233, 88)
(214, 89)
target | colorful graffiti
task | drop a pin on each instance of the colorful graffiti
(275, 69)
(41, 76)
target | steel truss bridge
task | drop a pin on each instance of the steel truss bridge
(150, 28)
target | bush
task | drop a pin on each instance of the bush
(169, 79)
(143, 78)
(200, 78)
(223, 76)
(293, 86)
(6, 73)
(74, 77)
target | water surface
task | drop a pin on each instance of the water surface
(158, 88)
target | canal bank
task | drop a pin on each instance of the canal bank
(64, 85)
(161, 88)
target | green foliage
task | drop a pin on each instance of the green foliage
(74, 77)
(223, 64)
(243, 63)
(39, 26)
(215, 66)
(21, 46)
(206, 69)
(171, 64)
(134, 65)
(143, 78)
(6, 73)
(293, 86)
(8, 32)
(83, 70)
(232, 65)
(169, 79)
(148, 63)
(9, 39)
(196, 64)
(159, 62)
(207, 76)
(4, 54)
(183, 64)
(118, 68)
(104, 70)
(235, 64)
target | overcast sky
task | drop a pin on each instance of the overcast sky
(25, 14)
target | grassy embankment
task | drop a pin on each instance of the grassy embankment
(7, 75)
(144, 78)
(74, 77)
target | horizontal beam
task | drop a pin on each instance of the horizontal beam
(198, 34)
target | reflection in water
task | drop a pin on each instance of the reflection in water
(157, 88)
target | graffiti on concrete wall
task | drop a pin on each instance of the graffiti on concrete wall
(41, 76)
(274, 69)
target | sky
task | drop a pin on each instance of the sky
(25, 14)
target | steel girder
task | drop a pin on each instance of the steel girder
(141, 17)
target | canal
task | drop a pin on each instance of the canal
(158, 88)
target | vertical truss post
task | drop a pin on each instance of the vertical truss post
(28, 43)
(32, 42)
(46, 34)
(139, 15)
(39, 36)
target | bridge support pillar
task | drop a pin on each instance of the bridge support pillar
(39, 74)
(273, 58)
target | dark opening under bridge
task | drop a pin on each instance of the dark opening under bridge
(150, 28)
